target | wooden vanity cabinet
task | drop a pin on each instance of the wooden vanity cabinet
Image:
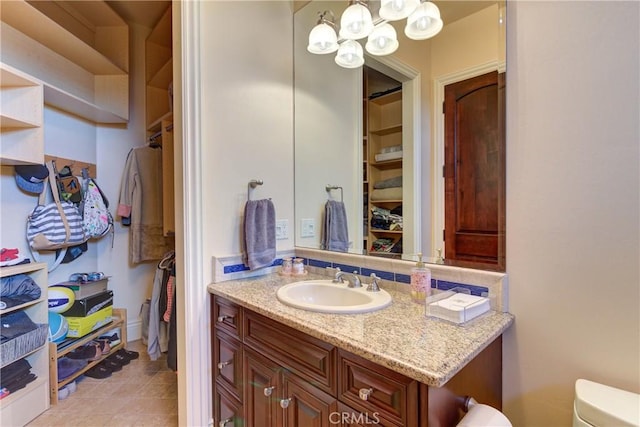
(267, 374)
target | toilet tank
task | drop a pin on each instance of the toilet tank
(599, 405)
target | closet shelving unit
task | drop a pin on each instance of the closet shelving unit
(21, 117)
(26, 404)
(56, 351)
(385, 130)
(78, 51)
(159, 110)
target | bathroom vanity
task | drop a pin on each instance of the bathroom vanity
(274, 365)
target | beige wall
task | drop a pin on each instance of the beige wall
(572, 204)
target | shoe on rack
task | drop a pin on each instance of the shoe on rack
(89, 351)
(103, 344)
(99, 372)
(113, 366)
(118, 358)
(129, 354)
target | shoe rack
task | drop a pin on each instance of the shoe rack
(119, 320)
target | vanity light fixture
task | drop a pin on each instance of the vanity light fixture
(423, 22)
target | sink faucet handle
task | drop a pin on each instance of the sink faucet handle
(338, 275)
(373, 285)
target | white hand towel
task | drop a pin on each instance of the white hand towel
(260, 233)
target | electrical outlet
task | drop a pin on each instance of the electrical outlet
(307, 227)
(282, 229)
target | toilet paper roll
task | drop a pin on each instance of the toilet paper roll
(484, 415)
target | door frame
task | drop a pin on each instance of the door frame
(411, 147)
(437, 177)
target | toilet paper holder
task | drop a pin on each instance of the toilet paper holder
(478, 415)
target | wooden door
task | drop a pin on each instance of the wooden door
(304, 405)
(475, 171)
(261, 390)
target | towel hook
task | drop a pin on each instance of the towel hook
(330, 187)
(253, 184)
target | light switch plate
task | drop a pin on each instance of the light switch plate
(307, 227)
(282, 229)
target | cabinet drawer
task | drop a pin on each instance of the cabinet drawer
(306, 356)
(227, 363)
(228, 411)
(373, 389)
(227, 317)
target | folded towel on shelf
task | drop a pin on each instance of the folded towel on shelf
(260, 233)
(336, 234)
(396, 181)
(380, 194)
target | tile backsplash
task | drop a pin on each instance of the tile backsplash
(395, 273)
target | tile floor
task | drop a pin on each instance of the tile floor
(143, 393)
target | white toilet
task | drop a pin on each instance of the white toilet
(599, 405)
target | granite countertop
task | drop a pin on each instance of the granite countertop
(398, 337)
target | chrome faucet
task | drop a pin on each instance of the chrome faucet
(373, 285)
(354, 280)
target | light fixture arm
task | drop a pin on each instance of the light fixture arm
(322, 19)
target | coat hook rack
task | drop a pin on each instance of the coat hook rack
(330, 187)
(253, 184)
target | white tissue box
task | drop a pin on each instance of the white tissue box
(457, 307)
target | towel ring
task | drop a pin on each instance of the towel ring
(330, 187)
(253, 184)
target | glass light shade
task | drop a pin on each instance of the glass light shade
(424, 22)
(350, 54)
(356, 22)
(322, 39)
(383, 40)
(394, 10)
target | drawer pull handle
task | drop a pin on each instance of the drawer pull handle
(268, 390)
(284, 403)
(223, 423)
(223, 318)
(223, 364)
(364, 393)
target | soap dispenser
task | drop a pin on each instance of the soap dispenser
(420, 282)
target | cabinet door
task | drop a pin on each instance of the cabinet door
(227, 359)
(304, 405)
(228, 410)
(262, 384)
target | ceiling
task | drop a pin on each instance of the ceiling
(141, 12)
(147, 12)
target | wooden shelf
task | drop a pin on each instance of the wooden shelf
(119, 320)
(27, 19)
(159, 71)
(380, 231)
(388, 98)
(388, 164)
(21, 117)
(22, 406)
(78, 51)
(387, 130)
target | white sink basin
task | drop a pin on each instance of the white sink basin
(327, 297)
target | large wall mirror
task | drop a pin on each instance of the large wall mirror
(411, 144)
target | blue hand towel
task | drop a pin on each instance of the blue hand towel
(260, 233)
(336, 234)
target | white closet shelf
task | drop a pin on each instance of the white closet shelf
(30, 21)
(65, 101)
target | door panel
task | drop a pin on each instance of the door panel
(306, 406)
(261, 390)
(475, 170)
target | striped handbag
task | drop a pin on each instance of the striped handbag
(55, 225)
